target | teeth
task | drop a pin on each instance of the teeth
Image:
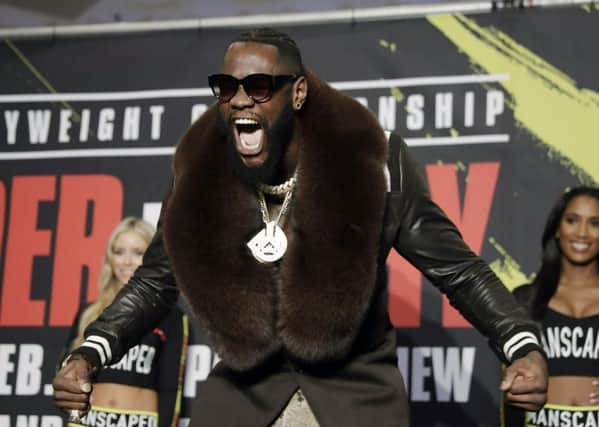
(244, 121)
(581, 246)
(249, 145)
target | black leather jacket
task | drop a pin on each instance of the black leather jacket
(318, 319)
(413, 225)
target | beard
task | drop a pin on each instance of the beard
(278, 135)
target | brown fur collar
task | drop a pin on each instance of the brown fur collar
(314, 303)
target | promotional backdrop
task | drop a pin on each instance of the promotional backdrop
(501, 109)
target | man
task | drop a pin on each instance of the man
(287, 198)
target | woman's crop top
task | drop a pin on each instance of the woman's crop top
(156, 362)
(571, 344)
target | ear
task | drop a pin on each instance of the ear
(299, 92)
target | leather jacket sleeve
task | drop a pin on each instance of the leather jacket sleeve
(137, 308)
(432, 243)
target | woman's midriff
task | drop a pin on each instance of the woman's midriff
(120, 396)
(570, 390)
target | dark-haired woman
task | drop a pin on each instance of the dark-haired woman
(564, 299)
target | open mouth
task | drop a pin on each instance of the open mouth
(249, 136)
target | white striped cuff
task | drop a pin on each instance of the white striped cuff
(101, 346)
(517, 342)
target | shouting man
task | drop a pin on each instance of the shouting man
(287, 198)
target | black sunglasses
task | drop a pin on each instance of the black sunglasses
(259, 87)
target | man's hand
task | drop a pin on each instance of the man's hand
(73, 386)
(525, 382)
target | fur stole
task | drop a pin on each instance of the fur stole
(312, 304)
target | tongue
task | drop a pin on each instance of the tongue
(250, 142)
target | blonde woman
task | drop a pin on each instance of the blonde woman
(144, 387)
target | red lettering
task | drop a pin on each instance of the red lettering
(2, 212)
(77, 248)
(472, 222)
(405, 281)
(24, 242)
(405, 292)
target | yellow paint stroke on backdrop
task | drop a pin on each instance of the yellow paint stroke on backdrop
(397, 94)
(388, 45)
(547, 102)
(507, 268)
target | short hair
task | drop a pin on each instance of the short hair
(289, 53)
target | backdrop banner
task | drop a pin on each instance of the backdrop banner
(501, 109)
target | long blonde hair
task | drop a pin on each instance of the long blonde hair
(108, 284)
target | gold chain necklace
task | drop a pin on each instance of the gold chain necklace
(270, 243)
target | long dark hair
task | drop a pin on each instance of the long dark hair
(548, 275)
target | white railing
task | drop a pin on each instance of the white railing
(283, 19)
